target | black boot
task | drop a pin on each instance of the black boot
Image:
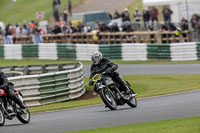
(18, 101)
(123, 84)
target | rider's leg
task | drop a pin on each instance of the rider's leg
(11, 95)
(115, 76)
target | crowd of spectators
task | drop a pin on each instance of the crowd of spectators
(149, 17)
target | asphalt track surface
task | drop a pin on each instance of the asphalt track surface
(155, 69)
(149, 109)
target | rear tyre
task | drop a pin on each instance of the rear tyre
(2, 117)
(108, 99)
(24, 116)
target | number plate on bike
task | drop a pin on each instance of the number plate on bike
(96, 77)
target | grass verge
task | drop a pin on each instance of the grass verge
(183, 125)
(25, 10)
(144, 85)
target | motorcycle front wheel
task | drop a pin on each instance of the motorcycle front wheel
(2, 117)
(108, 99)
(24, 116)
(132, 102)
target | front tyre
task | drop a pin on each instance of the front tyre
(24, 116)
(132, 102)
(2, 117)
(108, 99)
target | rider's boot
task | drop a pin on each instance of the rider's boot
(123, 84)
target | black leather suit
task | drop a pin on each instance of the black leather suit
(9, 87)
(107, 65)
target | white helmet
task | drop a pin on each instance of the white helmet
(96, 57)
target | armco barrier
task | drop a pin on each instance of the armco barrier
(51, 87)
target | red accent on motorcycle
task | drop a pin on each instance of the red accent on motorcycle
(3, 92)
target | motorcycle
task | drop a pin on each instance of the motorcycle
(9, 109)
(110, 92)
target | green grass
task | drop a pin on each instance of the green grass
(40, 62)
(183, 125)
(144, 85)
(25, 10)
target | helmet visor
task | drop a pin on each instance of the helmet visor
(96, 59)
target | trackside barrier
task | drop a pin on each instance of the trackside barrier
(124, 51)
(41, 89)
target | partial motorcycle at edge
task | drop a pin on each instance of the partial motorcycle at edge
(9, 109)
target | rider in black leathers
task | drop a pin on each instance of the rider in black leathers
(102, 64)
(9, 87)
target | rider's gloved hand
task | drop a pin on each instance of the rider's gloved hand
(91, 82)
(109, 70)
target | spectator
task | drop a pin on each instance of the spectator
(154, 15)
(194, 20)
(8, 35)
(137, 15)
(183, 24)
(56, 29)
(164, 27)
(167, 12)
(146, 18)
(32, 26)
(126, 27)
(116, 15)
(65, 15)
(18, 29)
(56, 6)
(102, 27)
(1, 31)
(56, 15)
(36, 35)
(87, 29)
(172, 27)
(110, 15)
(113, 27)
(25, 30)
(80, 27)
(125, 15)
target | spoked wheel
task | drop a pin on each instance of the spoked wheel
(108, 99)
(24, 116)
(132, 102)
(2, 117)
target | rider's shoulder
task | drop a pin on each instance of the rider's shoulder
(105, 59)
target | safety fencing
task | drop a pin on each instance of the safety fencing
(46, 88)
(108, 37)
(126, 51)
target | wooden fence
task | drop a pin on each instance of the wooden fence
(108, 38)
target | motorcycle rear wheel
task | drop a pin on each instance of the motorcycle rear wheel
(2, 117)
(108, 99)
